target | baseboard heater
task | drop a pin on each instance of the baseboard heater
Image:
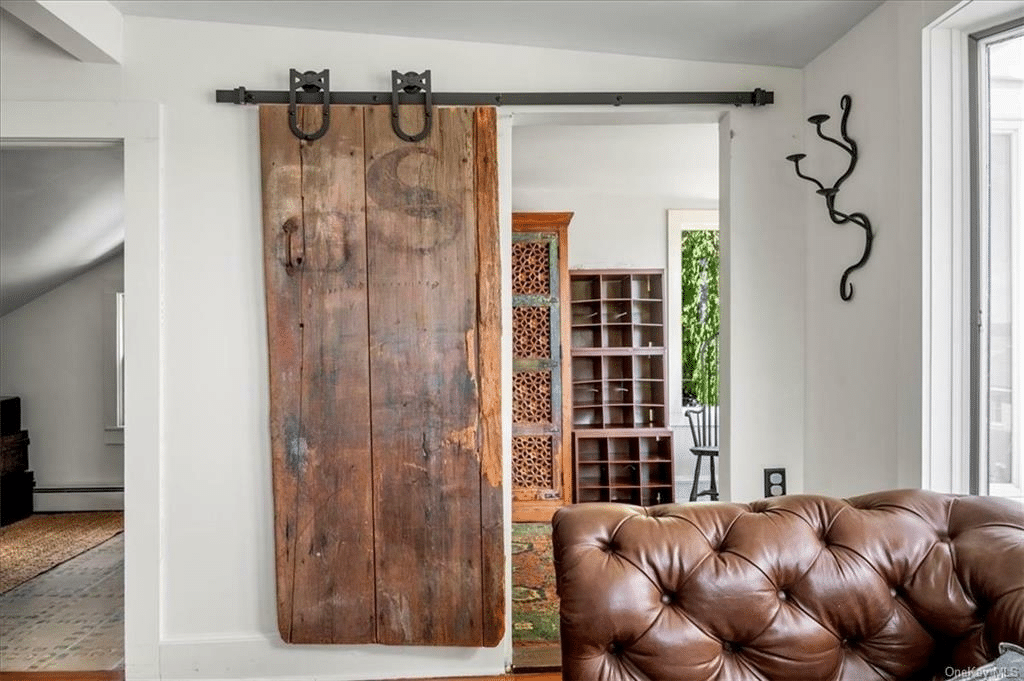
(66, 490)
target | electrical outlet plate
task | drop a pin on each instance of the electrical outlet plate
(774, 482)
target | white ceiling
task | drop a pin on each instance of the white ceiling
(61, 212)
(770, 32)
(61, 207)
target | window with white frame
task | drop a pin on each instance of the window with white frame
(997, 455)
(119, 358)
(681, 222)
(970, 176)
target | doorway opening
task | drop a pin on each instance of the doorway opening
(619, 180)
(62, 263)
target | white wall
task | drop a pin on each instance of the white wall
(217, 605)
(57, 354)
(863, 366)
(619, 180)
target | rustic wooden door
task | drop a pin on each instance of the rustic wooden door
(541, 405)
(383, 308)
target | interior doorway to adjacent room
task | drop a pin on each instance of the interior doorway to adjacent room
(62, 366)
(619, 180)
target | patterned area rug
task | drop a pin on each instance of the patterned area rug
(32, 546)
(534, 600)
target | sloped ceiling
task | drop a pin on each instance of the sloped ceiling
(61, 212)
(61, 205)
(769, 32)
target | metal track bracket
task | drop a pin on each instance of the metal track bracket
(411, 83)
(309, 81)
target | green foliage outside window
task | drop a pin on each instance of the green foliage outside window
(700, 316)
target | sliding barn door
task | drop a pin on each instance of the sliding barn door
(382, 283)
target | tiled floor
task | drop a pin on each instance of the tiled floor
(70, 618)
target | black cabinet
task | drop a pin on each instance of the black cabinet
(16, 481)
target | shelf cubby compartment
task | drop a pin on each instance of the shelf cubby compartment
(625, 495)
(616, 287)
(654, 474)
(653, 496)
(618, 416)
(586, 335)
(649, 391)
(648, 416)
(646, 286)
(586, 369)
(586, 312)
(588, 417)
(586, 494)
(618, 391)
(591, 450)
(649, 366)
(587, 394)
(618, 335)
(592, 475)
(621, 449)
(648, 335)
(617, 312)
(617, 367)
(655, 449)
(621, 473)
(585, 288)
(647, 312)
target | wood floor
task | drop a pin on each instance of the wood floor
(119, 676)
(61, 676)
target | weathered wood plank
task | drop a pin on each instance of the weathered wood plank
(334, 594)
(421, 227)
(489, 286)
(321, 431)
(281, 170)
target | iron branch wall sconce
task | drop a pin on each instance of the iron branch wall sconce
(859, 219)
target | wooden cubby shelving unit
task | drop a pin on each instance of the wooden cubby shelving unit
(621, 439)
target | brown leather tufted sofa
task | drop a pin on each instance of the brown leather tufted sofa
(895, 585)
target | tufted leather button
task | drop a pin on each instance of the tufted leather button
(782, 595)
(614, 649)
(893, 592)
(666, 598)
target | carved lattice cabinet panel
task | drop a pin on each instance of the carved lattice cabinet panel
(541, 410)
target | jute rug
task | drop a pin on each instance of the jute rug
(32, 546)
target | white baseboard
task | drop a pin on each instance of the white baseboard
(267, 658)
(77, 499)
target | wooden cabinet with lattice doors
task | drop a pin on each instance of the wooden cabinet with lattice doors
(541, 406)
